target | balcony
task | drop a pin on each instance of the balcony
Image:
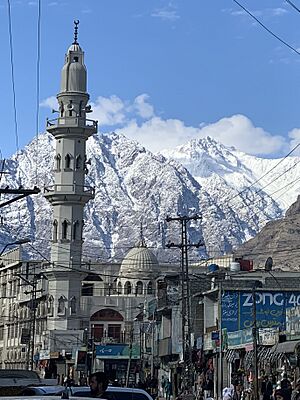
(165, 347)
(72, 122)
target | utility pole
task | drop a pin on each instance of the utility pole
(254, 335)
(130, 356)
(184, 246)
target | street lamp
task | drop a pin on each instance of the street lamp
(21, 241)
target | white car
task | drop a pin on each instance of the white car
(113, 393)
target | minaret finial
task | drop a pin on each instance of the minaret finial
(76, 23)
(142, 239)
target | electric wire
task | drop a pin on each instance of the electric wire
(293, 5)
(265, 174)
(38, 60)
(13, 75)
(267, 29)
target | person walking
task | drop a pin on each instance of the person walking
(169, 391)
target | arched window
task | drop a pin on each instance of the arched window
(78, 162)
(68, 161)
(50, 305)
(139, 288)
(73, 305)
(75, 230)
(119, 288)
(65, 229)
(127, 288)
(54, 236)
(150, 288)
(61, 308)
(58, 162)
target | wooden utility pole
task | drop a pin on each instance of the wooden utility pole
(184, 246)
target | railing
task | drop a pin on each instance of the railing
(72, 121)
(69, 188)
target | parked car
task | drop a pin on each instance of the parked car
(42, 391)
(113, 393)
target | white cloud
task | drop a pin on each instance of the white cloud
(109, 110)
(238, 131)
(143, 108)
(50, 102)
(170, 15)
(137, 120)
(294, 135)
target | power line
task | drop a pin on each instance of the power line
(293, 5)
(265, 174)
(12, 74)
(38, 58)
(267, 29)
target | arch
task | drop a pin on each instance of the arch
(127, 288)
(75, 230)
(50, 305)
(120, 288)
(139, 288)
(150, 288)
(73, 305)
(58, 162)
(61, 308)
(107, 314)
(65, 229)
(78, 162)
(55, 227)
(68, 161)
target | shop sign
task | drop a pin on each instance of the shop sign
(239, 339)
(44, 355)
(215, 335)
(118, 351)
(268, 337)
(273, 309)
(81, 360)
(208, 343)
(54, 354)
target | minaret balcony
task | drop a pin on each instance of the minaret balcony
(78, 193)
(72, 125)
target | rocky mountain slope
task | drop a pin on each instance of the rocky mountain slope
(133, 186)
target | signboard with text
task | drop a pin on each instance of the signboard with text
(272, 308)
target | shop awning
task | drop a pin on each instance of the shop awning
(286, 347)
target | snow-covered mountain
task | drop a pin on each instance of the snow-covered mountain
(134, 186)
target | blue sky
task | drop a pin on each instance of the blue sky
(161, 72)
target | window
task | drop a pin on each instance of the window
(78, 162)
(61, 309)
(65, 229)
(97, 332)
(50, 306)
(58, 162)
(119, 288)
(87, 289)
(68, 161)
(150, 288)
(54, 238)
(127, 288)
(139, 288)
(75, 230)
(73, 305)
(114, 331)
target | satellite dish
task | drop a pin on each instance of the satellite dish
(269, 264)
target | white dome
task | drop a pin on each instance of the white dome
(75, 47)
(139, 261)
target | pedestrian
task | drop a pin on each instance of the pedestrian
(296, 391)
(168, 388)
(208, 387)
(267, 391)
(98, 384)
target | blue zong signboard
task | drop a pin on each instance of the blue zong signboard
(271, 307)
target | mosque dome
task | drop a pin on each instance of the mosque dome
(139, 261)
(75, 47)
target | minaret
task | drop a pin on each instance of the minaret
(69, 194)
